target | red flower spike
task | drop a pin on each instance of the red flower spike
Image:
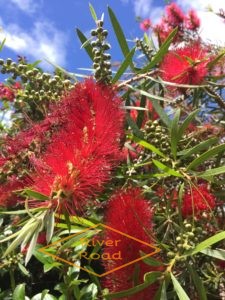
(186, 65)
(6, 93)
(145, 25)
(192, 21)
(174, 15)
(84, 151)
(197, 200)
(129, 213)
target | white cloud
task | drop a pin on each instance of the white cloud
(28, 6)
(42, 41)
(142, 8)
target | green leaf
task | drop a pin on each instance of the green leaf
(32, 246)
(34, 195)
(50, 223)
(77, 220)
(86, 43)
(174, 133)
(208, 154)
(93, 13)
(149, 279)
(161, 52)
(83, 39)
(198, 283)
(211, 172)
(160, 111)
(146, 145)
(166, 169)
(161, 293)
(135, 129)
(178, 288)
(196, 149)
(2, 44)
(124, 66)
(217, 253)
(186, 122)
(19, 292)
(151, 261)
(119, 34)
(23, 269)
(48, 267)
(89, 292)
(207, 243)
(213, 62)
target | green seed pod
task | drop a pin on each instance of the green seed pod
(105, 33)
(93, 32)
(8, 61)
(170, 254)
(93, 44)
(95, 65)
(1, 62)
(106, 46)
(99, 30)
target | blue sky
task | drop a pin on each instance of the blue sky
(42, 29)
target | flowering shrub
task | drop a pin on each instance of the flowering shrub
(113, 187)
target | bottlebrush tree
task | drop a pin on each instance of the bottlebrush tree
(101, 171)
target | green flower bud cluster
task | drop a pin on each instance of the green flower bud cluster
(17, 165)
(38, 87)
(157, 135)
(101, 61)
(143, 47)
(189, 238)
(12, 260)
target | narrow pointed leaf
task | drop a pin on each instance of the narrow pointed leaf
(83, 39)
(50, 226)
(34, 195)
(146, 145)
(211, 172)
(202, 158)
(124, 66)
(93, 13)
(178, 288)
(217, 253)
(198, 283)
(174, 133)
(198, 148)
(207, 243)
(166, 169)
(119, 34)
(186, 122)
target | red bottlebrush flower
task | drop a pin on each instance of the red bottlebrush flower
(186, 65)
(192, 21)
(7, 196)
(197, 200)
(162, 30)
(6, 93)
(84, 151)
(130, 213)
(174, 15)
(145, 25)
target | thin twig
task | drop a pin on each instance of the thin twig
(135, 78)
(219, 100)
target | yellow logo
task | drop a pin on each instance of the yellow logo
(82, 238)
